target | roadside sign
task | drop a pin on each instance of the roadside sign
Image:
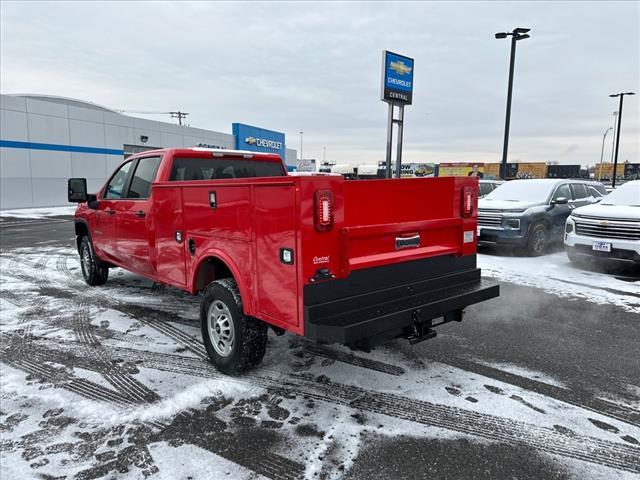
(397, 78)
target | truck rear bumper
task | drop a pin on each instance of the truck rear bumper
(411, 296)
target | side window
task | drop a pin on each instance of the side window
(603, 191)
(579, 191)
(562, 191)
(117, 182)
(594, 192)
(143, 176)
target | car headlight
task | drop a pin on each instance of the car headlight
(513, 223)
(568, 227)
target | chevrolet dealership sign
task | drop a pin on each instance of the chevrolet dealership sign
(263, 142)
(257, 139)
(397, 78)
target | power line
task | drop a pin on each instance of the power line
(179, 115)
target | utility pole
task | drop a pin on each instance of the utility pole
(301, 157)
(602, 152)
(324, 154)
(516, 34)
(179, 115)
(615, 159)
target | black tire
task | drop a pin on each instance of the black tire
(538, 240)
(221, 318)
(94, 270)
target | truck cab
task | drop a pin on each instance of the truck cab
(357, 263)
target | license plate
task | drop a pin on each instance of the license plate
(602, 246)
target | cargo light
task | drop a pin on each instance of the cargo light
(467, 202)
(324, 210)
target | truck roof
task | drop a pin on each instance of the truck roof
(202, 152)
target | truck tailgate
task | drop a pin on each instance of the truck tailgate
(389, 221)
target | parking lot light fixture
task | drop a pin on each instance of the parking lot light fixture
(602, 152)
(615, 158)
(517, 34)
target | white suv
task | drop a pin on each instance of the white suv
(609, 230)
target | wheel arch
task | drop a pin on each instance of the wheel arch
(216, 265)
(82, 229)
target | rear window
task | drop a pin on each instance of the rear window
(222, 168)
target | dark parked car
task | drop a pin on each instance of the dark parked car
(531, 213)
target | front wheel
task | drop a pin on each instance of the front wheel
(94, 271)
(538, 240)
(234, 342)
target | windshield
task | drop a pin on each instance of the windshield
(522, 191)
(627, 194)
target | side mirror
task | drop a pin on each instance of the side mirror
(560, 201)
(77, 190)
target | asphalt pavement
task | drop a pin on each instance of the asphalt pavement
(573, 352)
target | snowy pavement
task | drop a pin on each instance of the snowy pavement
(113, 382)
(554, 273)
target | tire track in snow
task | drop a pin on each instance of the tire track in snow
(333, 354)
(559, 442)
(113, 373)
(603, 407)
(491, 427)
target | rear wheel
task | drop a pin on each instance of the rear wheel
(538, 240)
(234, 341)
(94, 271)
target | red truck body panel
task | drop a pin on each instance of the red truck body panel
(177, 233)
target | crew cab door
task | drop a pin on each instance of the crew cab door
(560, 212)
(105, 230)
(135, 239)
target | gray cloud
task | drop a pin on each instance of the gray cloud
(316, 67)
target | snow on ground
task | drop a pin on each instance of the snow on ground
(555, 274)
(41, 212)
(107, 381)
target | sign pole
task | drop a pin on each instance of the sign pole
(389, 140)
(397, 89)
(400, 122)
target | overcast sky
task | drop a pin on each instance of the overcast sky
(315, 67)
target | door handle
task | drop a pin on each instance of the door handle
(110, 211)
(140, 214)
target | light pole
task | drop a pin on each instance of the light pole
(615, 159)
(602, 152)
(613, 139)
(517, 34)
(301, 157)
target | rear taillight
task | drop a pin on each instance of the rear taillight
(467, 202)
(324, 210)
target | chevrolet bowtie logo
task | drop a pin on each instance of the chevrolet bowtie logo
(399, 67)
(250, 140)
(604, 223)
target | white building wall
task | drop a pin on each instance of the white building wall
(31, 177)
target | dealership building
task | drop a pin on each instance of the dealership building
(45, 140)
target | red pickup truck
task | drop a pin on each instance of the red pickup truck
(352, 262)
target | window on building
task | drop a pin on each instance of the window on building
(143, 176)
(133, 149)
